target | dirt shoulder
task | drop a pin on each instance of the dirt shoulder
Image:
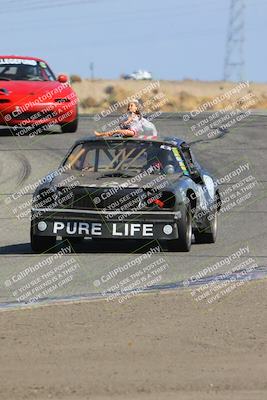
(154, 346)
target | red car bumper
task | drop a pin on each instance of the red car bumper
(39, 114)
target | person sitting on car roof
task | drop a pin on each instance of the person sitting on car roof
(132, 127)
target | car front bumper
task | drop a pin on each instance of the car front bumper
(160, 225)
(39, 114)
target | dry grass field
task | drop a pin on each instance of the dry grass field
(167, 96)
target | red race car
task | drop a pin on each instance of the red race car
(32, 99)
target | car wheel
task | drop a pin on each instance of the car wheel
(209, 234)
(70, 126)
(183, 243)
(41, 244)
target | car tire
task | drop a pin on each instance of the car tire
(184, 241)
(70, 127)
(41, 244)
(208, 235)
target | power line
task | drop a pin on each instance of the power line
(39, 6)
(143, 16)
(28, 5)
(234, 58)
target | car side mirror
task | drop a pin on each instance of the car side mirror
(62, 78)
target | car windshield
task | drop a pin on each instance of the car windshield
(18, 69)
(123, 156)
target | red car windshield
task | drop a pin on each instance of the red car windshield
(16, 69)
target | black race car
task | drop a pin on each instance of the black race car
(134, 188)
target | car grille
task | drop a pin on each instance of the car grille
(35, 116)
(80, 198)
(109, 199)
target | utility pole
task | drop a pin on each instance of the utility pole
(234, 62)
(92, 69)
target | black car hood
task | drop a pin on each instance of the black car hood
(89, 179)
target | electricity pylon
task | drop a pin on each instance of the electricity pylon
(234, 62)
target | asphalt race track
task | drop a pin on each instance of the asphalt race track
(24, 160)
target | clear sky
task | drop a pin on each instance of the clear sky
(174, 39)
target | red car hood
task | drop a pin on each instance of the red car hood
(30, 90)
